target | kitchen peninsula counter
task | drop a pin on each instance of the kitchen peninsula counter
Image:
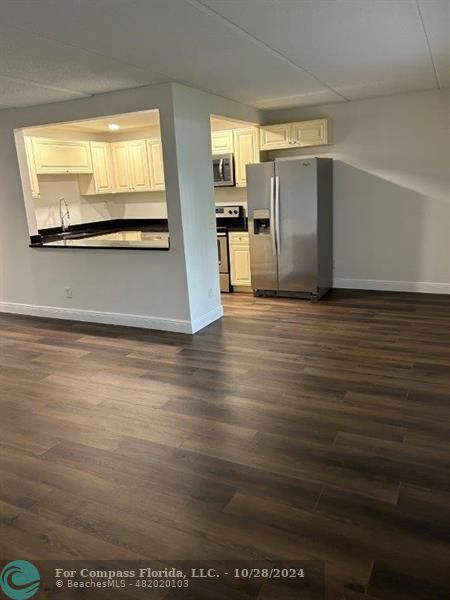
(138, 234)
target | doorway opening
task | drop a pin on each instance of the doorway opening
(234, 145)
(96, 182)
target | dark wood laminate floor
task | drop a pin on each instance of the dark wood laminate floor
(288, 430)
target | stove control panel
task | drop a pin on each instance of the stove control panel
(227, 212)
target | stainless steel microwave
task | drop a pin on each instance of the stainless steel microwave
(223, 169)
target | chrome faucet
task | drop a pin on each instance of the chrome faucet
(64, 213)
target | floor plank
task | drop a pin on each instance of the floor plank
(286, 430)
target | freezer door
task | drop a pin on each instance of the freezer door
(260, 203)
(296, 224)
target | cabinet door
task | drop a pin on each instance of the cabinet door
(155, 156)
(131, 236)
(240, 265)
(311, 133)
(61, 156)
(121, 166)
(34, 182)
(140, 170)
(102, 166)
(274, 137)
(222, 142)
(246, 148)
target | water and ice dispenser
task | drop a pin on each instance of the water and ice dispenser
(261, 221)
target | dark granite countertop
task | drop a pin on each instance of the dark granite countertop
(97, 234)
(100, 234)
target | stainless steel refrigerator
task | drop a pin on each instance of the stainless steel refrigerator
(291, 226)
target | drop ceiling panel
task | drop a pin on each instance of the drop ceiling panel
(356, 47)
(325, 96)
(174, 38)
(269, 53)
(44, 61)
(436, 20)
(14, 93)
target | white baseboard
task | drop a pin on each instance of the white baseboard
(207, 319)
(423, 287)
(110, 318)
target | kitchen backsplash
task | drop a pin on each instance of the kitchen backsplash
(145, 205)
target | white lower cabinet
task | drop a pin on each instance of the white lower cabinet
(240, 259)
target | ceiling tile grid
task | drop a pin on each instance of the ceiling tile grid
(268, 53)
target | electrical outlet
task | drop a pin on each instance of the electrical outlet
(68, 292)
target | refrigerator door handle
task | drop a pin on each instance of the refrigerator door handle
(272, 216)
(277, 212)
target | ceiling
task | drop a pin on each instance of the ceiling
(126, 122)
(267, 53)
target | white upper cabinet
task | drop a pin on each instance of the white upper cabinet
(102, 179)
(246, 151)
(222, 142)
(155, 156)
(34, 182)
(102, 166)
(311, 133)
(121, 164)
(131, 166)
(274, 137)
(61, 156)
(139, 166)
(300, 134)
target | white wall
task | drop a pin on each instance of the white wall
(82, 210)
(391, 189)
(192, 131)
(86, 209)
(150, 289)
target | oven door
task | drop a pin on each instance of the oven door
(224, 269)
(223, 170)
(222, 250)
